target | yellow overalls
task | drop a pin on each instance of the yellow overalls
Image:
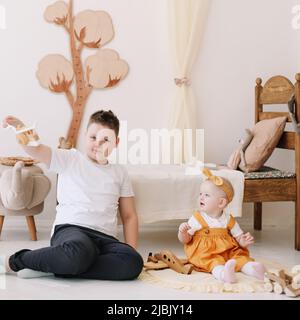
(211, 247)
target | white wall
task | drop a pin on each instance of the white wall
(244, 39)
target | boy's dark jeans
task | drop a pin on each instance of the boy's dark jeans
(79, 252)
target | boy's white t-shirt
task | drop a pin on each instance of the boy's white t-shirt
(88, 193)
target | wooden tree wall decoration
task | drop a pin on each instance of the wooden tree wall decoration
(105, 69)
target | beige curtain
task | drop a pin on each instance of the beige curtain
(186, 24)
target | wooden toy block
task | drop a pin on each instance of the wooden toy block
(291, 292)
(281, 282)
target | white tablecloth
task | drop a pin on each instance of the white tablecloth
(165, 192)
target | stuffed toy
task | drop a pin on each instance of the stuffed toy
(292, 112)
(237, 158)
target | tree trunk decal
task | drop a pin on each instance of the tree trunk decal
(105, 69)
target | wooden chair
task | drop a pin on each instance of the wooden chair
(277, 90)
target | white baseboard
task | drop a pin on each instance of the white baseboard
(284, 219)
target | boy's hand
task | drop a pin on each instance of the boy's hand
(29, 141)
(26, 138)
(13, 121)
(245, 239)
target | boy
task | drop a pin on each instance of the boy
(89, 192)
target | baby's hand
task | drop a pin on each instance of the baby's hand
(184, 227)
(183, 234)
(245, 239)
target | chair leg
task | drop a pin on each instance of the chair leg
(31, 227)
(1, 223)
(257, 215)
(297, 225)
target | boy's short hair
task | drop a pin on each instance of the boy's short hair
(106, 118)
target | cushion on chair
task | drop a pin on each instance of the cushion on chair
(266, 135)
(269, 173)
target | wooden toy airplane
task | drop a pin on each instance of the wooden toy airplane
(166, 259)
(26, 135)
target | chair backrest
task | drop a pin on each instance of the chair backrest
(278, 90)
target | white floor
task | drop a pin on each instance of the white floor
(272, 243)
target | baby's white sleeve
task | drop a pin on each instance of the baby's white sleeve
(194, 224)
(236, 230)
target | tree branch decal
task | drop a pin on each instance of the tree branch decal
(88, 29)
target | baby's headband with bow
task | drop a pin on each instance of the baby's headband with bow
(220, 183)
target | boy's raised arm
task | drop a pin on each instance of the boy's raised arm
(41, 153)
